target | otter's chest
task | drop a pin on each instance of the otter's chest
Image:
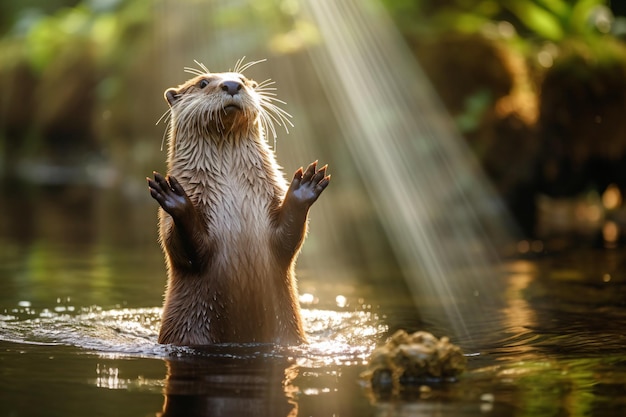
(235, 188)
(237, 216)
(236, 205)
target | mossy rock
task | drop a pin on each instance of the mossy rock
(407, 360)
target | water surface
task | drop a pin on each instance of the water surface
(81, 281)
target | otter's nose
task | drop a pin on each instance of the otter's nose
(231, 87)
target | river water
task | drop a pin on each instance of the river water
(81, 283)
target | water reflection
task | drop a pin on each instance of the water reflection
(224, 385)
(108, 377)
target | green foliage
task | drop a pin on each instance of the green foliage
(50, 35)
(552, 20)
(542, 21)
(556, 19)
(97, 24)
(475, 107)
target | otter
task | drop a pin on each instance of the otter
(229, 225)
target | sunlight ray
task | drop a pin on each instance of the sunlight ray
(438, 209)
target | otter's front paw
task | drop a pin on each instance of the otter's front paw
(307, 186)
(170, 195)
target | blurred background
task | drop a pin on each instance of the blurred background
(533, 91)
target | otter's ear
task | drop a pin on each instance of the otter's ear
(171, 96)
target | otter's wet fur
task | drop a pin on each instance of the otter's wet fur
(229, 225)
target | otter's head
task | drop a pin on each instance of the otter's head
(224, 104)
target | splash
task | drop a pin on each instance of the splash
(438, 209)
(336, 337)
(123, 331)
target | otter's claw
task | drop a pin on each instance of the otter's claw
(307, 186)
(169, 194)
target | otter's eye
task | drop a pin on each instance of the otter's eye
(203, 83)
(254, 84)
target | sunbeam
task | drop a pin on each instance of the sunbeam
(439, 211)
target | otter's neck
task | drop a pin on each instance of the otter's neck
(204, 163)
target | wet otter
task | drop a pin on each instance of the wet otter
(229, 226)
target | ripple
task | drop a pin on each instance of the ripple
(339, 337)
(124, 331)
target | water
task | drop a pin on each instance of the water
(79, 316)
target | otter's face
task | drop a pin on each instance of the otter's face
(213, 105)
(218, 103)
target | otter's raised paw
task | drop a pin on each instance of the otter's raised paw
(307, 186)
(170, 195)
